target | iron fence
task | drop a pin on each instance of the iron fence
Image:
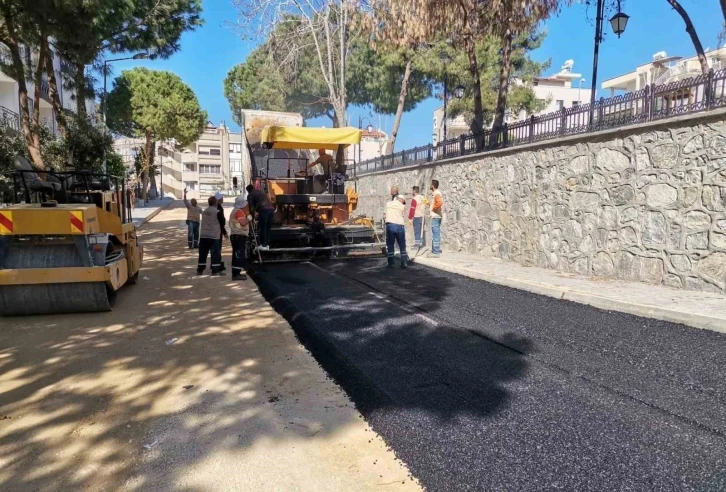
(654, 102)
(9, 119)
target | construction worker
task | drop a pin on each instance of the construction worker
(395, 231)
(222, 222)
(194, 215)
(260, 204)
(416, 214)
(209, 239)
(239, 230)
(437, 213)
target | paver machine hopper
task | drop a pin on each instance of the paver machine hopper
(67, 242)
(314, 215)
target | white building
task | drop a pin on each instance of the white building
(562, 90)
(10, 100)
(372, 144)
(663, 69)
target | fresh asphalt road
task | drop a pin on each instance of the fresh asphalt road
(480, 387)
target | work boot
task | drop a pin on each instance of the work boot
(200, 272)
(242, 276)
(218, 274)
(404, 264)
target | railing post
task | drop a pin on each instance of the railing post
(403, 158)
(708, 90)
(531, 129)
(430, 153)
(651, 103)
(599, 111)
(462, 144)
(563, 121)
(505, 135)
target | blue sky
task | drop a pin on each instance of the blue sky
(208, 53)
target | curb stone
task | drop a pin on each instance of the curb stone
(637, 309)
(153, 214)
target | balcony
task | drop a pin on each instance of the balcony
(9, 119)
(189, 157)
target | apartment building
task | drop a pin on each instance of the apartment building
(663, 69)
(203, 167)
(10, 101)
(561, 90)
(372, 144)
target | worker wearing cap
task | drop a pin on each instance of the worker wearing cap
(209, 239)
(395, 231)
(239, 230)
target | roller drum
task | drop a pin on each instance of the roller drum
(51, 298)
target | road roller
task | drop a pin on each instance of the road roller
(67, 242)
(314, 215)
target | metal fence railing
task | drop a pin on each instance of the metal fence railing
(654, 102)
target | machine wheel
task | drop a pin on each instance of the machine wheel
(133, 280)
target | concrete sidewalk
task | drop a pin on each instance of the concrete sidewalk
(141, 215)
(698, 309)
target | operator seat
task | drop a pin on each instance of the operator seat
(30, 178)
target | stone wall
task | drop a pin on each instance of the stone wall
(645, 203)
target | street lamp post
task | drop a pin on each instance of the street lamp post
(137, 56)
(618, 22)
(458, 91)
(360, 127)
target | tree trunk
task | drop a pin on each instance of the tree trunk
(401, 104)
(723, 9)
(26, 125)
(81, 90)
(149, 161)
(60, 115)
(503, 88)
(692, 32)
(478, 123)
(34, 141)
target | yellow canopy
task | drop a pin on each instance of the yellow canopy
(294, 137)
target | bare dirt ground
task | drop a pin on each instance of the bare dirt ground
(191, 383)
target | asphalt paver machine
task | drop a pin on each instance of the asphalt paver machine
(314, 216)
(67, 242)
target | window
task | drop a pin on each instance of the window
(210, 169)
(560, 103)
(575, 103)
(235, 147)
(235, 166)
(190, 167)
(190, 185)
(207, 188)
(207, 150)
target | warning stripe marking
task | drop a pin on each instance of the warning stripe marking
(77, 222)
(6, 222)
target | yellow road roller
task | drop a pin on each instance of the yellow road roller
(67, 242)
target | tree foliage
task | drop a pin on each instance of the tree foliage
(120, 26)
(304, 37)
(155, 105)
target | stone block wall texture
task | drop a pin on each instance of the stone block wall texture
(644, 204)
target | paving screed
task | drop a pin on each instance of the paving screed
(481, 387)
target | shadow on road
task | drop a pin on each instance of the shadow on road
(387, 353)
(184, 368)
